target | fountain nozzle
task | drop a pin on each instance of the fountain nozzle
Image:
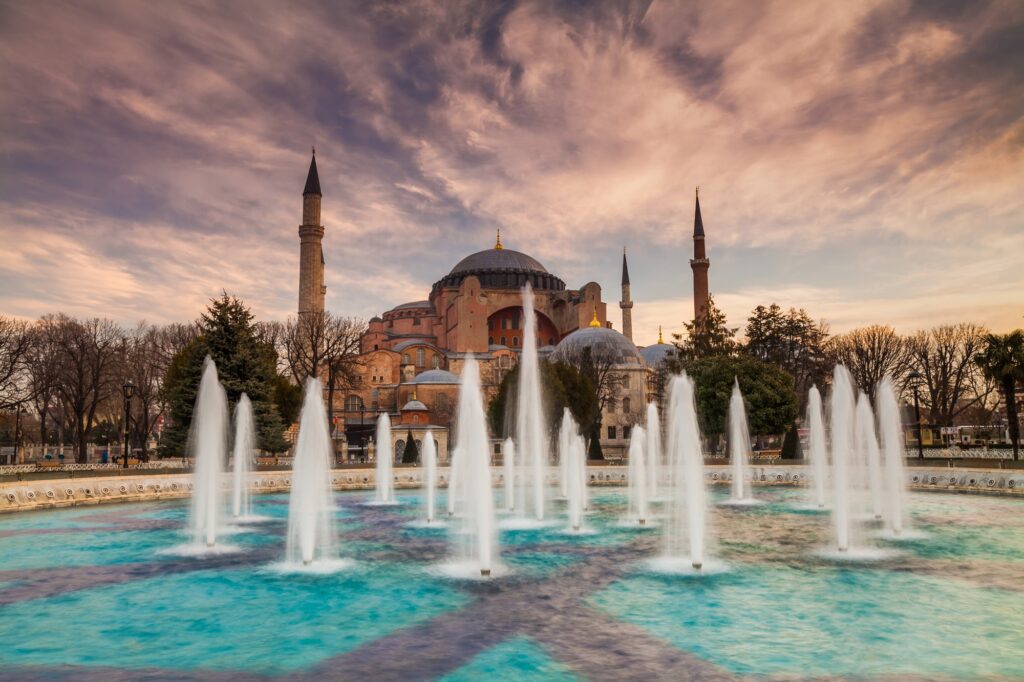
(209, 545)
(485, 572)
(307, 562)
(643, 522)
(697, 565)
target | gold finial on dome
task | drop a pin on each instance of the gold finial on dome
(661, 339)
(497, 244)
(595, 322)
(414, 394)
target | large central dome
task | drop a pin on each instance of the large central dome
(501, 268)
(497, 259)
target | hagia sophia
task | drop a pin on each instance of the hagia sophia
(411, 356)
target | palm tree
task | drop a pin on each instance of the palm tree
(1002, 361)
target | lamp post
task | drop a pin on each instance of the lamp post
(128, 389)
(17, 433)
(915, 379)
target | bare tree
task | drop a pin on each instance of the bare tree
(87, 353)
(16, 341)
(944, 356)
(43, 368)
(146, 356)
(871, 353)
(322, 345)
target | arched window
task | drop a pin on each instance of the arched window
(490, 340)
(435, 361)
(415, 419)
(503, 342)
(405, 358)
(625, 405)
(421, 357)
(399, 449)
(375, 399)
(515, 342)
(353, 403)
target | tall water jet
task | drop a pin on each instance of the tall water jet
(653, 447)
(310, 505)
(869, 459)
(841, 409)
(530, 430)
(245, 437)
(208, 447)
(816, 446)
(454, 478)
(385, 461)
(639, 483)
(479, 540)
(508, 456)
(565, 433)
(686, 526)
(430, 474)
(891, 430)
(739, 444)
(577, 457)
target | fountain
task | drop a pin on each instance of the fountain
(565, 432)
(245, 436)
(385, 461)
(530, 430)
(577, 481)
(739, 445)
(816, 446)
(891, 430)
(653, 441)
(841, 420)
(208, 446)
(639, 483)
(685, 528)
(430, 473)
(869, 459)
(454, 478)
(508, 456)
(310, 505)
(478, 542)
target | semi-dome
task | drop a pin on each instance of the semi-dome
(435, 376)
(501, 268)
(604, 343)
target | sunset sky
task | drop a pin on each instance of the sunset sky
(864, 160)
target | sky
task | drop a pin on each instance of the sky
(863, 160)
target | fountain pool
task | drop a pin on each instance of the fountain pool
(88, 593)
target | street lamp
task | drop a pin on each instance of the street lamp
(915, 380)
(128, 389)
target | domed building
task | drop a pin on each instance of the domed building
(412, 355)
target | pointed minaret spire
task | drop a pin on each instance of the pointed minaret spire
(626, 304)
(699, 264)
(311, 253)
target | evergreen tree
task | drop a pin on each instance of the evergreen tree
(245, 364)
(1002, 361)
(704, 338)
(411, 454)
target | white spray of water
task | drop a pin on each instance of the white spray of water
(245, 436)
(816, 446)
(311, 506)
(685, 529)
(508, 456)
(639, 484)
(530, 429)
(892, 443)
(565, 432)
(739, 444)
(868, 454)
(208, 447)
(385, 460)
(430, 474)
(841, 420)
(577, 474)
(479, 540)
(454, 478)
(653, 443)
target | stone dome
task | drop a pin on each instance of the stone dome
(604, 343)
(414, 406)
(656, 353)
(435, 376)
(501, 268)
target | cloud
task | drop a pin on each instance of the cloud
(862, 160)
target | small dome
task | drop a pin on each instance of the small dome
(656, 353)
(604, 344)
(413, 304)
(414, 406)
(435, 376)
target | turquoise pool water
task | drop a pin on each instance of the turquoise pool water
(95, 590)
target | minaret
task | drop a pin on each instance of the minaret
(311, 253)
(626, 303)
(700, 264)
